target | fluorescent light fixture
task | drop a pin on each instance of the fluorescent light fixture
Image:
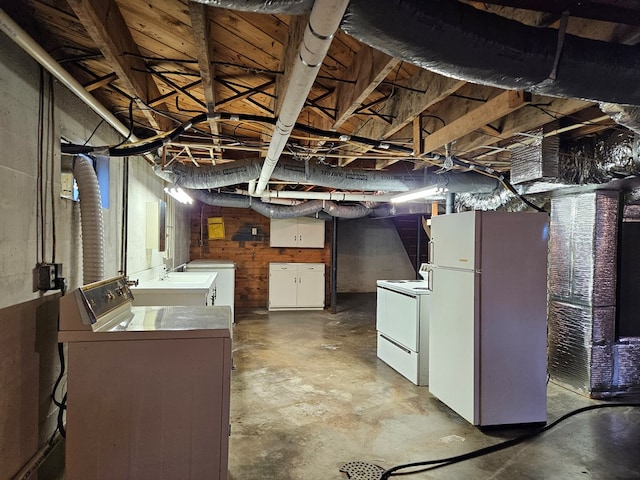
(415, 194)
(179, 194)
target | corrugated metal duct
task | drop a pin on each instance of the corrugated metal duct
(243, 171)
(462, 42)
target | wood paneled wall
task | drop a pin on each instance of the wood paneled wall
(252, 254)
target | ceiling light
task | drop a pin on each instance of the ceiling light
(416, 194)
(179, 194)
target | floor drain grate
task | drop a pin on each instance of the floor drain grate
(362, 471)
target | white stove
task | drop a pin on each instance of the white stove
(402, 322)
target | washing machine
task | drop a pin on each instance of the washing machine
(147, 387)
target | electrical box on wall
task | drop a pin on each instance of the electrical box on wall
(49, 276)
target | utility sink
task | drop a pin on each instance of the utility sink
(176, 288)
(187, 277)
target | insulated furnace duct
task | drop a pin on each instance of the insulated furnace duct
(538, 158)
(582, 350)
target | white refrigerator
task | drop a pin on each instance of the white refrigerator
(487, 331)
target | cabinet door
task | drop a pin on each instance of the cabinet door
(284, 232)
(310, 233)
(283, 282)
(310, 286)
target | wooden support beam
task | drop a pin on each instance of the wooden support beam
(100, 82)
(369, 68)
(201, 25)
(496, 108)
(297, 25)
(104, 22)
(425, 88)
(406, 104)
(417, 136)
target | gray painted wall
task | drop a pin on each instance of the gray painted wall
(370, 250)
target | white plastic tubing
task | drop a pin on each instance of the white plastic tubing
(91, 220)
(323, 22)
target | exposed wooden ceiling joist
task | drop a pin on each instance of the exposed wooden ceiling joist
(494, 109)
(202, 37)
(107, 28)
(370, 67)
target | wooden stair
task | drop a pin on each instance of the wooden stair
(409, 227)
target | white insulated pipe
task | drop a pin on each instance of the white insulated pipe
(29, 45)
(323, 22)
(333, 196)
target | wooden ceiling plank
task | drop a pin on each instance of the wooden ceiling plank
(106, 26)
(428, 89)
(370, 67)
(523, 120)
(492, 110)
(201, 25)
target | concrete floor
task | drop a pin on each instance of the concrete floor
(309, 395)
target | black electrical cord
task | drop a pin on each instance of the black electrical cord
(62, 404)
(433, 464)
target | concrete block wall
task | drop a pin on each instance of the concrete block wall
(29, 361)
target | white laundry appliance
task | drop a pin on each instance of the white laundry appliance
(148, 388)
(488, 322)
(402, 324)
(225, 281)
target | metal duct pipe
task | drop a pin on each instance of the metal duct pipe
(310, 208)
(274, 7)
(242, 171)
(91, 221)
(459, 41)
(323, 23)
(450, 199)
(29, 45)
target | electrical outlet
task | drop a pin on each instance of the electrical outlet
(50, 277)
(254, 231)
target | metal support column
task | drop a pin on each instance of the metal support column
(334, 266)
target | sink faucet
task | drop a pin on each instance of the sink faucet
(164, 274)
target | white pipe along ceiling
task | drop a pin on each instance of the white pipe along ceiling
(323, 23)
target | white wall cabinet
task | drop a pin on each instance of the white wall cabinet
(301, 232)
(296, 286)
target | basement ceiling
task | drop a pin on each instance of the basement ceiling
(377, 103)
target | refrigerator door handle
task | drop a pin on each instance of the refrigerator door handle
(430, 279)
(431, 259)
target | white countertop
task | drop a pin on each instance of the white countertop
(408, 287)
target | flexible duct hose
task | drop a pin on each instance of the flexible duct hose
(91, 221)
(459, 41)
